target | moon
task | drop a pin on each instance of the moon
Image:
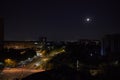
(88, 19)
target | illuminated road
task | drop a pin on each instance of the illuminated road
(13, 73)
(39, 62)
(32, 67)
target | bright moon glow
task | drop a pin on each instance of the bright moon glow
(87, 19)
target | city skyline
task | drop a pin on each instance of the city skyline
(59, 20)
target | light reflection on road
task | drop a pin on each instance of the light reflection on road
(12, 73)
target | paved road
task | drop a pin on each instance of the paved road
(12, 73)
(39, 62)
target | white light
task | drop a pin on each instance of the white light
(116, 62)
(37, 64)
(35, 43)
(88, 19)
(91, 54)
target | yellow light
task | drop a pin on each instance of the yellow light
(45, 59)
(9, 62)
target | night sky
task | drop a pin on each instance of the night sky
(59, 20)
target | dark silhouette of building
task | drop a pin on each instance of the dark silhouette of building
(42, 39)
(111, 45)
(86, 51)
(1, 33)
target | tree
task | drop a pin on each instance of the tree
(1, 66)
(10, 63)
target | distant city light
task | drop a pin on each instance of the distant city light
(116, 62)
(35, 43)
(102, 52)
(91, 54)
(37, 64)
(1, 63)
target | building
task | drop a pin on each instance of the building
(111, 44)
(42, 39)
(93, 47)
(1, 32)
(21, 44)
